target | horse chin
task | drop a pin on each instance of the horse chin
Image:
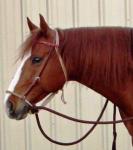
(20, 116)
(17, 116)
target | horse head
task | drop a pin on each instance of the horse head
(40, 72)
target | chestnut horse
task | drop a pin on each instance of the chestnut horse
(101, 58)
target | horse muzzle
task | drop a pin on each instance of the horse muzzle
(17, 112)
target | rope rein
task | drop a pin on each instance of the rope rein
(70, 118)
(36, 109)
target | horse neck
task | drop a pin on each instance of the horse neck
(74, 52)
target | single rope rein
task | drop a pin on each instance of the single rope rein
(35, 110)
(114, 129)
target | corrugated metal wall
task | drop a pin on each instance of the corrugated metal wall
(81, 102)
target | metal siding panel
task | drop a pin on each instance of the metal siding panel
(128, 12)
(131, 11)
(91, 106)
(115, 12)
(66, 130)
(88, 13)
(2, 120)
(10, 39)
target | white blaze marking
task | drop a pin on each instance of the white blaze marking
(16, 77)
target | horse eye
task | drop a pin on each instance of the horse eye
(36, 60)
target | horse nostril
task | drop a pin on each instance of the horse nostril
(9, 105)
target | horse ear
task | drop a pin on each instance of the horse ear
(31, 25)
(43, 25)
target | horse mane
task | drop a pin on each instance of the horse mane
(26, 46)
(100, 54)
